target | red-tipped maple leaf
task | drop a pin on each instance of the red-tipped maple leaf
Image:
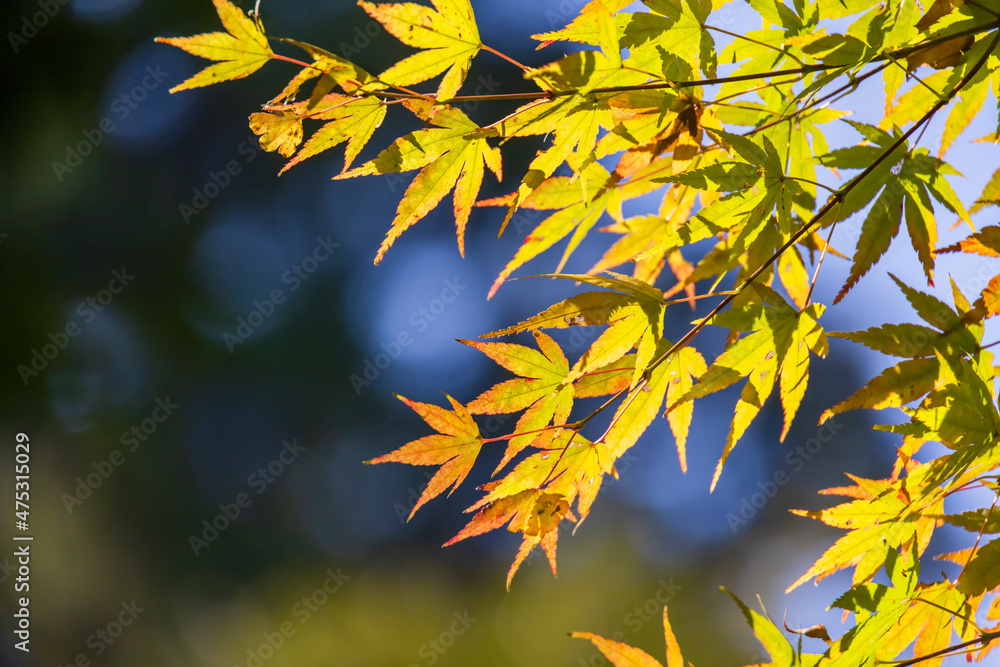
(454, 448)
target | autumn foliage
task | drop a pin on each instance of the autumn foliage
(738, 161)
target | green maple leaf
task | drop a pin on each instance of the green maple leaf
(903, 195)
(775, 352)
(931, 352)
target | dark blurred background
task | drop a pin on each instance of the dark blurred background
(129, 257)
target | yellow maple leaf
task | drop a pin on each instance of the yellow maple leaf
(449, 37)
(279, 129)
(241, 51)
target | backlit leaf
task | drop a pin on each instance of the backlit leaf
(620, 655)
(447, 33)
(449, 157)
(241, 50)
(454, 449)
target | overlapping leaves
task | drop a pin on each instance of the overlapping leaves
(736, 160)
(928, 352)
(776, 351)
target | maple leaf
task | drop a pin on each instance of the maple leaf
(767, 633)
(777, 351)
(670, 381)
(529, 510)
(985, 243)
(921, 372)
(631, 117)
(908, 192)
(574, 123)
(584, 27)
(636, 320)
(756, 184)
(352, 120)
(991, 193)
(576, 117)
(567, 464)
(449, 37)
(879, 517)
(960, 410)
(983, 571)
(279, 128)
(879, 610)
(945, 54)
(542, 488)
(634, 313)
(619, 653)
(242, 50)
(455, 448)
(928, 624)
(580, 205)
(623, 655)
(544, 390)
(584, 309)
(641, 233)
(532, 512)
(449, 156)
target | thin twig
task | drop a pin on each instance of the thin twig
(812, 283)
(983, 639)
(754, 41)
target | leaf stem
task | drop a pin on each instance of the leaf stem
(819, 265)
(754, 41)
(300, 63)
(505, 57)
(550, 427)
(979, 536)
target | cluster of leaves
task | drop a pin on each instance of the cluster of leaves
(738, 161)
